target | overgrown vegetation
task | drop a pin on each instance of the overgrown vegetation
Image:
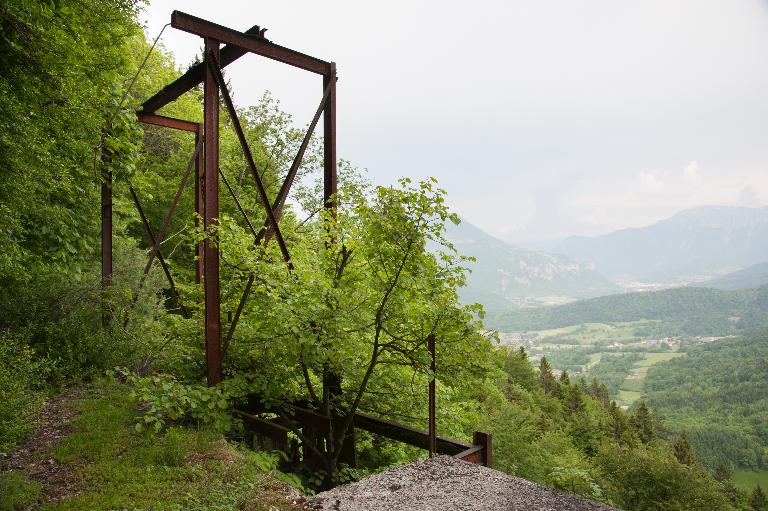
(114, 467)
(343, 329)
(718, 395)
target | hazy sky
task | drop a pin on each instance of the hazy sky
(541, 118)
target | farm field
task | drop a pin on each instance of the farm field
(578, 348)
(632, 388)
(747, 479)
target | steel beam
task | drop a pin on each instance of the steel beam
(216, 72)
(167, 122)
(106, 239)
(154, 243)
(210, 219)
(432, 419)
(194, 76)
(199, 186)
(254, 44)
(330, 178)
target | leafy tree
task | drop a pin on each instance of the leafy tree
(757, 499)
(722, 472)
(519, 370)
(546, 377)
(361, 301)
(683, 450)
(642, 423)
(649, 478)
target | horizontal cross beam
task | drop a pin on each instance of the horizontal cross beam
(251, 43)
(194, 76)
(168, 122)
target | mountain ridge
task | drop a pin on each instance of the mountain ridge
(692, 245)
(506, 275)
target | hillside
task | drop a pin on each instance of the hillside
(505, 275)
(718, 395)
(746, 278)
(693, 311)
(699, 242)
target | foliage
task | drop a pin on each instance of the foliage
(716, 394)
(613, 369)
(166, 399)
(181, 468)
(22, 379)
(650, 478)
(61, 63)
(358, 306)
(681, 311)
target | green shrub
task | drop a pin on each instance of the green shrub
(21, 378)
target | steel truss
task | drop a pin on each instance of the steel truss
(205, 161)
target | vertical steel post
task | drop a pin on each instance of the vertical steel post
(106, 241)
(329, 140)
(432, 418)
(486, 441)
(199, 204)
(210, 218)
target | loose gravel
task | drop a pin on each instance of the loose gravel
(445, 483)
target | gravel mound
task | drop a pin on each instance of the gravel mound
(445, 483)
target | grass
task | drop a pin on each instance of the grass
(632, 388)
(747, 479)
(654, 358)
(116, 468)
(16, 492)
(593, 333)
(627, 397)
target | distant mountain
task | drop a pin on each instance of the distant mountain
(686, 310)
(505, 276)
(748, 278)
(691, 245)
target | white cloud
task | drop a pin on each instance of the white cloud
(650, 181)
(692, 170)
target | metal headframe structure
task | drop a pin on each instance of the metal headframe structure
(205, 161)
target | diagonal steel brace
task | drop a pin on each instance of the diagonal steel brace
(153, 241)
(248, 155)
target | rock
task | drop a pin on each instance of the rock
(446, 483)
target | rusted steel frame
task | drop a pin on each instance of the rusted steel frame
(239, 206)
(407, 434)
(167, 122)
(277, 207)
(216, 71)
(485, 440)
(164, 228)
(194, 75)
(432, 419)
(199, 185)
(167, 219)
(238, 312)
(210, 219)
(254, 44)
(153, 241)
(473, 455)
(330, 177)
(106, 240)
(282, 195)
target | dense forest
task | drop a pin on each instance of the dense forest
(718, 396)
(683, 311)
(356, 305)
